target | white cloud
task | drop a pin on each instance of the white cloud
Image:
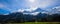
(40, 3)
(31, 4)
(57, 8)
(34, 13)
(31, 1)
(1, 5)
(53, 10)
(32, 9)
(6, 14)
(27, 9)
(20, 10)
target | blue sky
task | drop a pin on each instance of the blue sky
(8, 6)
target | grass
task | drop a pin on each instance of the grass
(37, 23)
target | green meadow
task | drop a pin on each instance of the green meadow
(37, 23)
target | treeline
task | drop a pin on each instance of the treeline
(20, 17)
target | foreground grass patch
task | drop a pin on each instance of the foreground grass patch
(42, 23)
(37, 23)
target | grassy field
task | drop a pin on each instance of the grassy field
(37, 23)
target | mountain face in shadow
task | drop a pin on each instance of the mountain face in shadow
(39, 10)
(20, 17)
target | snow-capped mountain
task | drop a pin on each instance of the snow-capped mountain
(32, 12)
(39, 10)
(54, 10)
